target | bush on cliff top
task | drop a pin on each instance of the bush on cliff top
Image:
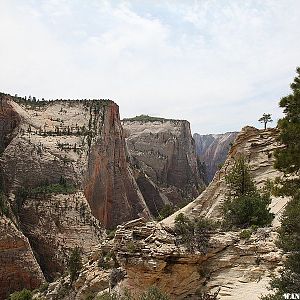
(146, 118)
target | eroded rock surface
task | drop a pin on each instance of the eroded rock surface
(18, 265)
(149, 252)
(257, 146)
(63, 169)
(163, 151)
(212, 150)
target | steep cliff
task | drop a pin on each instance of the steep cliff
(18, 265)
(212, 150)
(63, 169)
(163, 151)
(257, 146)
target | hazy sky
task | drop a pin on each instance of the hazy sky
(219, 64)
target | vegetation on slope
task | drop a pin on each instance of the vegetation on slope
(146, 118)
(194, 233)
(288, 161)
(245, 205)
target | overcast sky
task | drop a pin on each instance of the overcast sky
(219, 64)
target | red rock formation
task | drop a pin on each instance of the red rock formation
(110, 188)
(18, 266)
(9, 120)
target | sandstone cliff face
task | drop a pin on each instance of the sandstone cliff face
(56, 224)
(82, 142)
(110, 186)
(147, 254)
(212, 149)
(18, 265)
(257, 146)
(164, 152)
(49, 145)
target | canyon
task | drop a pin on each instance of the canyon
(212, 150)
(71, 170)
(68, 172)
(146, 253)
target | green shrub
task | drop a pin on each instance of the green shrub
(166, 211)
(22, 295)
(245, 234)
(146, 118)
(111, 233)
(106, 260)
(194, 234)
(44, 287)
(153, 293)
(90, 296)
(132, 247)
(208, 296)
(62, 187)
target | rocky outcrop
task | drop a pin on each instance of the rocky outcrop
(257, 146)
(18, 266)
(56, 224)
(148, 254)
(163, 151)
(64, 169)
(212, 150)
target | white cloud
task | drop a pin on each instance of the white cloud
(218, 64)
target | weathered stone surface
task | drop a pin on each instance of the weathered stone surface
(18, 266)
(257, 146)
(212, 149)
(164, 152)
(56, 224)
(81, 143)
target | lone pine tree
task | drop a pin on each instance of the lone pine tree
(266, 118)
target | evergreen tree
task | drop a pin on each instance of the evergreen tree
(245, 205)
(288, 161)
(266, 118)
(74, 263)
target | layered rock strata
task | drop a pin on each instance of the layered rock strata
(63, 169)
(212, 150)
(258, 147)
(163, 151)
